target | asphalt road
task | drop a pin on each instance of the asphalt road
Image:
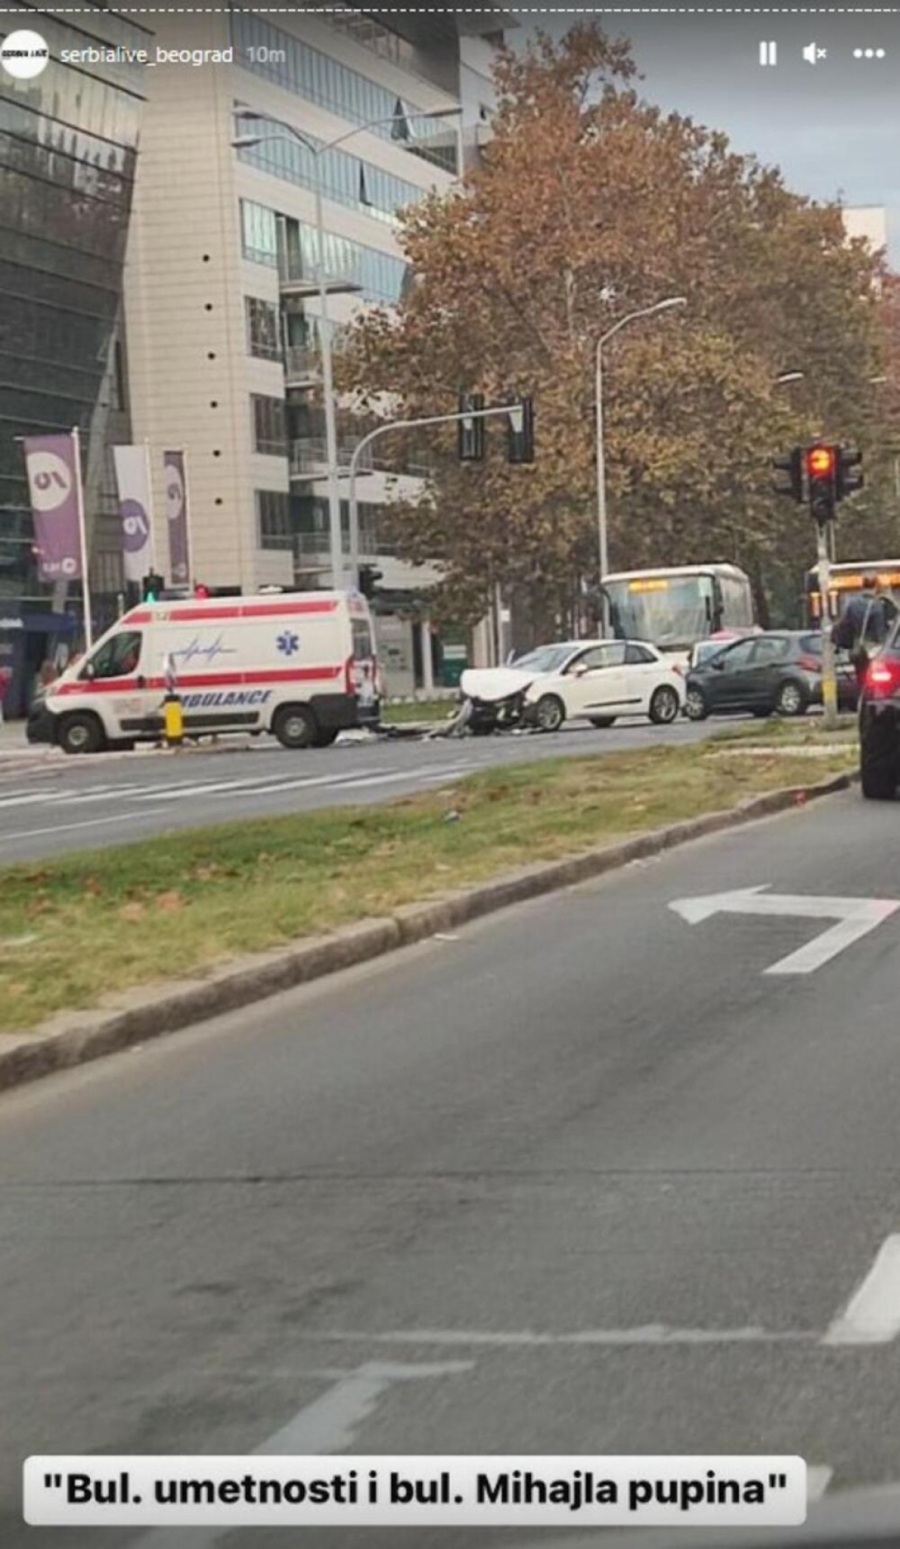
(56, 804)
(583, 1178)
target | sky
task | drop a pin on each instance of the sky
(833, 127)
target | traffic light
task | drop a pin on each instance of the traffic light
(369, 577)
(470, 432)
(520, 435)
(848, 481)
(152, 586)
(791, 469)
(821, 474)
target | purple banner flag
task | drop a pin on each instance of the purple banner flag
(177, 512)
(54, 483)
(133, 480)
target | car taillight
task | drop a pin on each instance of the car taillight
(679, 670)
(809, 663)
(883, 679)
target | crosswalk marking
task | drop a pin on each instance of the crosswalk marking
(139, 795)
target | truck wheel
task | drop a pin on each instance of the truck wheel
(295, 726)
(81, 734)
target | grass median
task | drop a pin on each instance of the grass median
(76, 928)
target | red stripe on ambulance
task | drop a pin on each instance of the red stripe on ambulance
(200, 680)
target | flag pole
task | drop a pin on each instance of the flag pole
(188, 538)
(151, 520)
(82, 538)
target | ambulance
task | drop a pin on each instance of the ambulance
(300, 665)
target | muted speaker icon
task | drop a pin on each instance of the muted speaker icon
(812, 53)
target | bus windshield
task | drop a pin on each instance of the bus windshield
(669, 611)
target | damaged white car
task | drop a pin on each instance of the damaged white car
(594, 680)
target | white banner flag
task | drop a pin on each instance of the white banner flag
(136, 508)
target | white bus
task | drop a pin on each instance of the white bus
(674, 606)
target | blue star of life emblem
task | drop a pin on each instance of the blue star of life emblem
(288, 643)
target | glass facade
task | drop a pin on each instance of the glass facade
(380, 276)
(68, 141)
(343, 178)
(307, 72)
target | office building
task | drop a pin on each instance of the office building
(68, 140)
(222, 273)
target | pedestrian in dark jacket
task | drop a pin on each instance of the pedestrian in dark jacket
(865, 624)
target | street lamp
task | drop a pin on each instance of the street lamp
(286, 131)
(632, 317)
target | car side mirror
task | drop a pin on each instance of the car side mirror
(718, 663)
(87, 671)
(580, 670)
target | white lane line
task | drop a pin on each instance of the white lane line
(329, 1424)
(304, 782)
(650, 1334)
(65, 828)
(410, 774)
(56, 794)
(346, 782)
(872, 1315)
(252, 787)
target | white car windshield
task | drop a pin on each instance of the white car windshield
(547, 658)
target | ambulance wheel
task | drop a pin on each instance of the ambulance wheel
(295, 726)
(81, 734)
(325, 736)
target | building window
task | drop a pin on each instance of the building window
(269, 427)
(259, 233)
(306, 72)
(262, 328)
(380, 276)
(342, 178)
(273, 518)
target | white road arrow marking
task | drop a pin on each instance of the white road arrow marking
(854, 917)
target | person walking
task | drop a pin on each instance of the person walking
(865, 624)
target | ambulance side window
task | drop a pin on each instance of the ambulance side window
(118, 658)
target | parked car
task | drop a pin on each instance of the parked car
(705, 649)
(779, 670)
(879, 723)
(598, 680)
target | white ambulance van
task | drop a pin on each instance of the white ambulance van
(301, 665)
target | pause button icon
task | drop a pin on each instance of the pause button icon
(768, 53)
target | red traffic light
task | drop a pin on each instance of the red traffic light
(820, 461)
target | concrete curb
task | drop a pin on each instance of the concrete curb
(73, 1038)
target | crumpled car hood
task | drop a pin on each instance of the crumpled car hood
(494, 683)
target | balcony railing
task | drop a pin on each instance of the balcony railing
(300, 280)
(309, 457)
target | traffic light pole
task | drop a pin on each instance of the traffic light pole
(509, 409)
(824, 533)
